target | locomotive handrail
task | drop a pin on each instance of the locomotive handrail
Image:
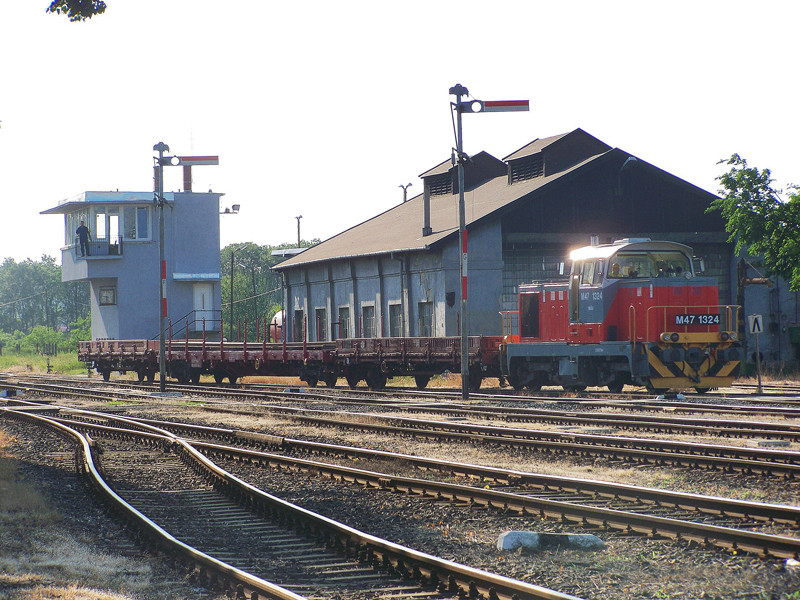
(507, 322)
(731, 314)
(632, 323)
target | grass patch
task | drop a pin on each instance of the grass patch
(39, 561)
(66, 363)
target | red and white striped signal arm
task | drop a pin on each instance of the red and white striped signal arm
(505, 105)
(199, 160)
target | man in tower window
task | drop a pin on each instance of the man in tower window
(83, 236)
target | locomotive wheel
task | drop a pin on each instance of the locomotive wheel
(654, 390)
(575, 388)
(513, 381)
(330, 379)
(421, 381)
(615, 387)
(534, 387)
(702, 390)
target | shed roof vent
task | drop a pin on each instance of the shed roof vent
(526, 168)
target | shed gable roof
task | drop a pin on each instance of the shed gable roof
(399, 229)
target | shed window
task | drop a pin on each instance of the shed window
(368, 321)
(395, 320)
(344, 322)
(425, 319)
(321, 324)
(298, 326)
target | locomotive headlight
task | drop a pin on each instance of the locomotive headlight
(674, 337)
(724, 336)
(732, 336)
(664, 337)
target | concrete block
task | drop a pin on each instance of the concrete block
(531, 540)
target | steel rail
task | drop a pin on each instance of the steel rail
(658, 424)
(426, 568)
(681, 454)
(587, 516)
(606, 518)
(245, 583)
(755, 510)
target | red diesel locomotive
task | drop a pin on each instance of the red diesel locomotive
(632, 312)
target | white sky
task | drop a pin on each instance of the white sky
(324, 108)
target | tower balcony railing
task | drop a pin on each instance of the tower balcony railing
(104, 247)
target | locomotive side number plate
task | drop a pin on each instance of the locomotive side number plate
(697, 319)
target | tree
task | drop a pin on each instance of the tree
(77, 10)
(759, 221)
(31, 293)
(256, 287)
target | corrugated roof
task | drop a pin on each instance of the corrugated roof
(399, 229)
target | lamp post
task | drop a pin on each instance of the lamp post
(298, 217)
(405, 191)
(460, 107)
(232, 253)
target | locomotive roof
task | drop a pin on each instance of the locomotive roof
(628, 244)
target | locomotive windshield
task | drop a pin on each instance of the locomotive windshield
(649, 265)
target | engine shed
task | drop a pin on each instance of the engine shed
(397, 274)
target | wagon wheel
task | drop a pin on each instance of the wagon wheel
(219, 377)
(141, 374)
(421, 381)
(352, 380)
(702, 390)
(106, 374)
(475, 379)
(330, 379)
(534, 387)
(233, 378)
(375, 379)
(151, 376)
(195, 376)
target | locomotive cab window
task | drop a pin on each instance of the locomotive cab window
(591, 272)
(649, 265)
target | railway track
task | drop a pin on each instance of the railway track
(559, 415)
(603, 506)
(660, 452)
(306, 551)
